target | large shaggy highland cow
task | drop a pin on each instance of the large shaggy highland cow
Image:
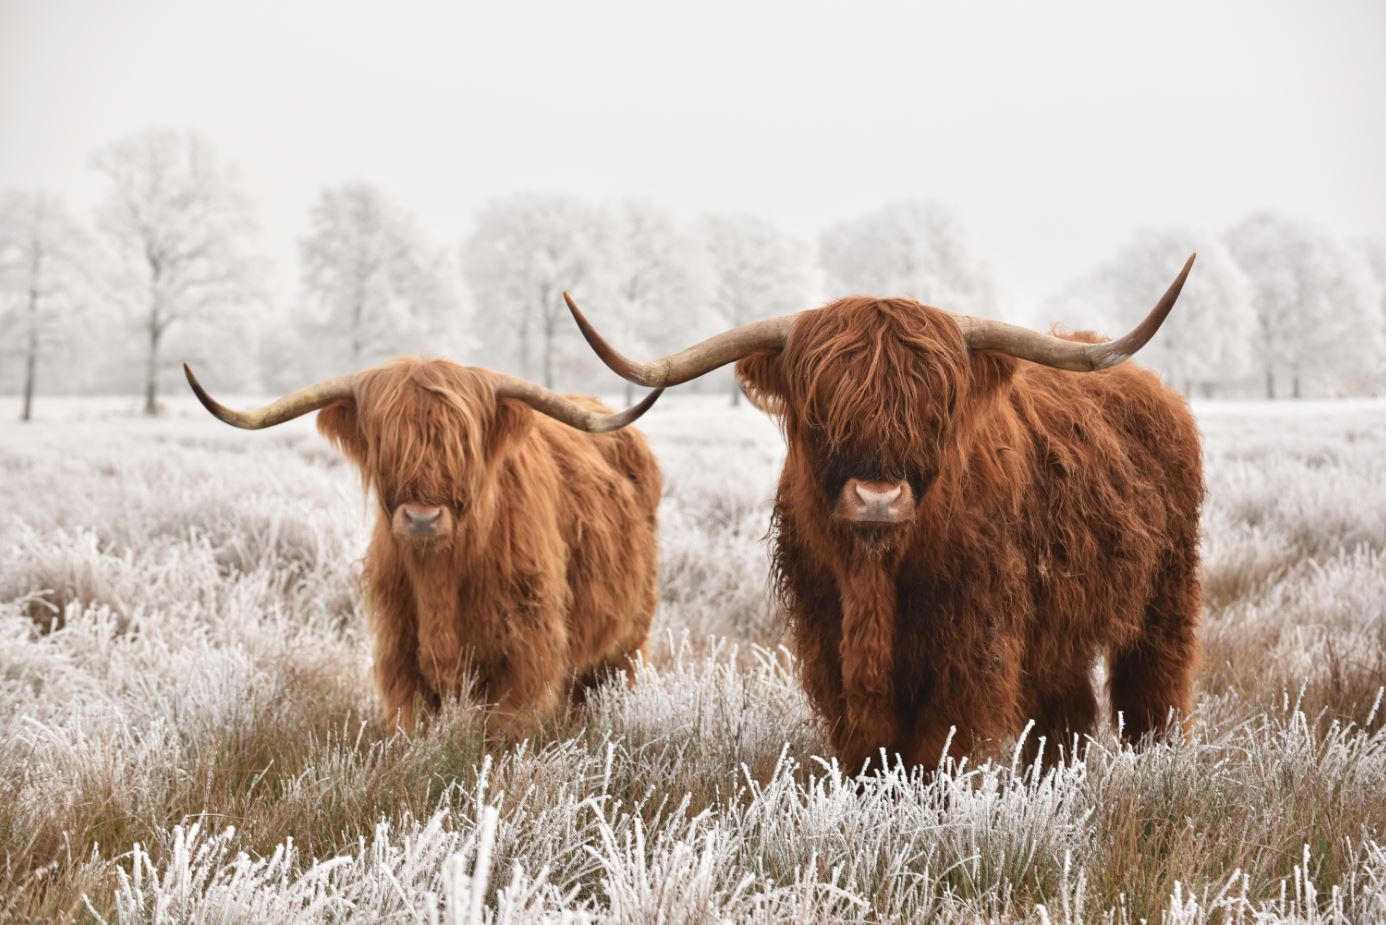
(509, 547)
(969, 513)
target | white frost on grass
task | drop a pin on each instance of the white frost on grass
(173, 592)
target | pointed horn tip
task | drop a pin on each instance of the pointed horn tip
(1178, 285)
(215, 408)
(648, 401)
(207, 401)
(635, 412)
(632, 414)
(583, 324)
(613, 358)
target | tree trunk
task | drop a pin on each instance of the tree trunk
(735, 392)
(1294, 387)
(358, 314)
(151, 372)
(630, 393)
(524, 348)
(31, 356)
(156, 331)
(30, 362)
(1270, 384)
(548, 356)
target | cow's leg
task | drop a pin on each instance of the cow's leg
(630, 634)
(1064, 715)
(525, 696)
(394, 626)
(632, 647)
(620, 662)
(932, 732)
(1151, 678)
(624, 662)
(530, 687)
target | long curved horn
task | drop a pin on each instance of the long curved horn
(562, 408)
(718, 350)
(293, 405)
(1048, 350)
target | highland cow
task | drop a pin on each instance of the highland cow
(969, 513)
(512, 550)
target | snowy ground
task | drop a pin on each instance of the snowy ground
(187, 728)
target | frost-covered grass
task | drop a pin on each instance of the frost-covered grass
(188, 732)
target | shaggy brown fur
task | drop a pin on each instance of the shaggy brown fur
(546, 574)
(1057, 518)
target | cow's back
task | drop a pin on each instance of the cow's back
(1114, 490)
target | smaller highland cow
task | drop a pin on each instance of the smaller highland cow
(509, 547)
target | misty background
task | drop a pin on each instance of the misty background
(277, 193)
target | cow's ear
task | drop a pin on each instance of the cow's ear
(338, 423)
(513, 421)
(761, 377)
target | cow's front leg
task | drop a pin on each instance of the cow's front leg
(394, 625)
(529, 687)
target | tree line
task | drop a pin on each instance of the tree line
(168, 269)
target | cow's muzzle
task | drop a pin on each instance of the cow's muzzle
(421, 520)
(873, 502)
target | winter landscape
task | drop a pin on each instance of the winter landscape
(281, 193)
(190, 734)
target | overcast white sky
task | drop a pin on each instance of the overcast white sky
(1054, 129)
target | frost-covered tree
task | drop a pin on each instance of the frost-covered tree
(917, 249)
(179, 225)
(1373, 251)
(1316, 302)
(373, 287)
(524, 253)
(1210, 337)
(755, 271)
(656, 277)
(44, 257)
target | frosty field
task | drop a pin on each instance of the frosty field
(188, 732)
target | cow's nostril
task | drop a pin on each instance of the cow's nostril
(420, 519)
(877, 497)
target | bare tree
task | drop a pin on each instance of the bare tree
(178, 223)
(377, 287)
(658, 277)
(43, 259)
(525, 252)
(918, 248)
(755, 271)
(1211, 336)
(1315, 299)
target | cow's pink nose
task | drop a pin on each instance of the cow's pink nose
(421, 520)
(877, 498)
(873, 501)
